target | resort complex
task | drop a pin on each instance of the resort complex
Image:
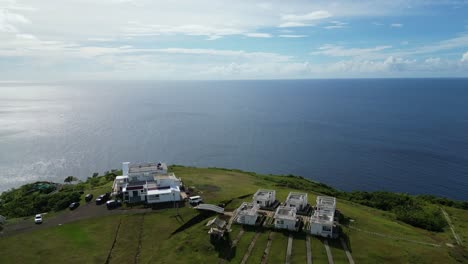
(151, 183)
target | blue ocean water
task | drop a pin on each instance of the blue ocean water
(404, 135)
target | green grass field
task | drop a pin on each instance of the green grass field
(148, 237)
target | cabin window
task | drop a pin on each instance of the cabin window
(326, 228)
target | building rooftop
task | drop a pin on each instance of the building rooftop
(170, 175)
(323, 217)
(326, 201)
(147, 167)
(299, 197)
(248, 209)
(325, 212)
(162, 191)
(264, 194)
(284, 212)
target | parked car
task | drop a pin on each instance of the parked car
(102, 198)
(195, 200)
(74, 205)
(112, 204)
(88, 197)
(38, 219)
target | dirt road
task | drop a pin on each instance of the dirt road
(85, 211)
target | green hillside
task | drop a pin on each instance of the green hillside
(149, 236)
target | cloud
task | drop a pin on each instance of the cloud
(336, 24)
(316, 15)
(339, 51)
(396, 25)
(303, 20)
(294, 24)
(258, 35)
(465, 57)
(292, 36)
(214, 37)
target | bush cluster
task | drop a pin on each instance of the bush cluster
(410, 209)
(24, 202)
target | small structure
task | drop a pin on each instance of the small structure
(264, 198)
(217, 227)
(285, 218)
(297, 200)
(247, 214)
(210, 207)
(322, 221)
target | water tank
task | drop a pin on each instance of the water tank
(125, 166)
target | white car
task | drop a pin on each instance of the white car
(38, 219)
(195, 200)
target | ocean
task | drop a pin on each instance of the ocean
(402, 135)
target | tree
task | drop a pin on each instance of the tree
(70, 179)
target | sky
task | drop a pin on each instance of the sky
(172, 40)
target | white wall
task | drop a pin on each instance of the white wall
(285, 224)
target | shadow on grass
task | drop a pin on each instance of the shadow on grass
(227, 202)
(195, 220)
(224, 247)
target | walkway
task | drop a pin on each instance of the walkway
(267, 249)
(329, 254)
(251, 246)
(348, 254)
(309, 251)
(210, 207)
(289, 249)
(455, 235)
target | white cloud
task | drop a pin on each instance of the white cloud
(294, 24)
(292, 36)
(214, 37)
(465, 57)
(258, 35)
(336, 24)
(316, 15)
(339, 51)
(396, 25)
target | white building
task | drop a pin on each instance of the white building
(297, 200)
(285, 218)
(148, 183)
(322, 221)
(247, 214)
(264, 198)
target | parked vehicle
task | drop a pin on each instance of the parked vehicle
(74, 205)
(88, 197)
(112, 204)
(102, 198)
(38, 219)
(195, 200)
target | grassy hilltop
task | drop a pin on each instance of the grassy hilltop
(159, 236)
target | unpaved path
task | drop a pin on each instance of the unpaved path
(267, 249)
(289, 249)
(85, 211)
(455, 235)
(251, 246)
(309, 251)
(329, 254)
(348, 254)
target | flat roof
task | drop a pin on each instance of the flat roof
(261, 193)
(248, 209)
(161, 191)
(284, 212)
(296, 196)
(146, 167)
